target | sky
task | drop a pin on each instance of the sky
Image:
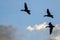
(10, 14)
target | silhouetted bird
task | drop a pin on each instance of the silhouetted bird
(51, 27)
(48, 14)
(26, 8)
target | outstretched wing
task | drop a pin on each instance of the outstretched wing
(25, 5)
(51, 29)
(48, 12)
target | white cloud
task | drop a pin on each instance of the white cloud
(30, 28)
(54, 36)
(40, 26)
(37, 27)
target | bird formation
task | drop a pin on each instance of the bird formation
(47, 15)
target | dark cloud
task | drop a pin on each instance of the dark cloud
(8, 32)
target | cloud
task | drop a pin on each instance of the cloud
(9, 32)
(45, 31)
(55, 38)
(6, 32)
(37, 27)
(30, 28)
(40, 26)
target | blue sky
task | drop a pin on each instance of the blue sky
(10, 13)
